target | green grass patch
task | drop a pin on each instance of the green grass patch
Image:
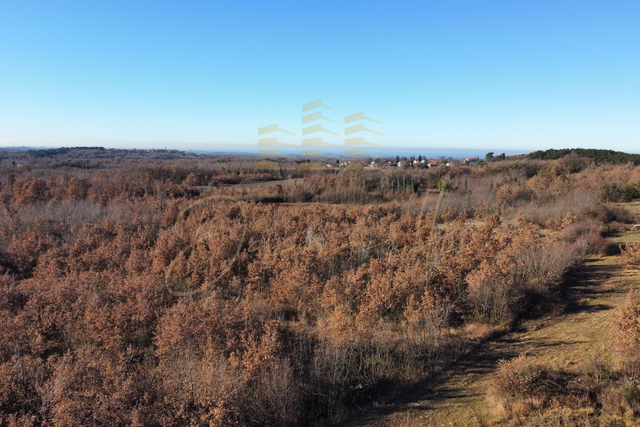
(626, 238)
(631, 207)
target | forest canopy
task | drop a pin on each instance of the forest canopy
(597, 155)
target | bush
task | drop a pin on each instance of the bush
(626, 324)
(522, 387)
(630, 255)
(491, 294)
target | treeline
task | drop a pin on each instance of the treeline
(597, 155)
(74, 153)
(53, 152)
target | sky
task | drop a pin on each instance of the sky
(497, 75)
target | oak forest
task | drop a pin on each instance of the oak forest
(164, 288)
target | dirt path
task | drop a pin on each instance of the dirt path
(572, 340)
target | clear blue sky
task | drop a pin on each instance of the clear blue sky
(498, 75)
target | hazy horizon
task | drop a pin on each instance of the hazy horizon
(429, 152)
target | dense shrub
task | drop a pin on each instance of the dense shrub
(626, 324)
(159, 293)
(630, 255)
(522, 388)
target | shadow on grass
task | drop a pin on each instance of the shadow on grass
(583, 285)
(579, 292)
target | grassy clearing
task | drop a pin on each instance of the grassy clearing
(574, 358)
(631, 207)
(626, 238)
(576, 343)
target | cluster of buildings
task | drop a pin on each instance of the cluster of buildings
(404, 163)
(418, 163)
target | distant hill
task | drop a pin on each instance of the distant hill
(111, 153)
(599, 156)
(52, 152)
(21, 148)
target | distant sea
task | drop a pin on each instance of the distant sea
(432, 153)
